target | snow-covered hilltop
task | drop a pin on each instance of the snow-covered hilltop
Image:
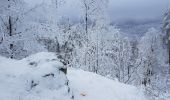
(39, 77)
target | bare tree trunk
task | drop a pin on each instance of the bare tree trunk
(97, 58)
(10, 30)
(169, 53)
(86, 30)
(10, 34)
(86, 21)
(56, 2)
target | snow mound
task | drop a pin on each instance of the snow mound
(89, 86)
(38, 77)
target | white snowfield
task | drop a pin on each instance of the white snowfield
(39, 77)
(89, 86)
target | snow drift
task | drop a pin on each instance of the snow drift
(38, 77)
(89, 86)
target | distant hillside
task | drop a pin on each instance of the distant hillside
(131, 27)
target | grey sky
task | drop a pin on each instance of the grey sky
(120, 10)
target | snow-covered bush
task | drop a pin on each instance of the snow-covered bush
(38, 77)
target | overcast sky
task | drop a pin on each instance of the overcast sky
(120, 10)
(137, 9)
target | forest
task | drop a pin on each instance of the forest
(88, 40)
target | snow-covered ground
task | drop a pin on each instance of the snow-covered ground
(39, 77)
(89, 86)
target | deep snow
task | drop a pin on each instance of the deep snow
(39, 77)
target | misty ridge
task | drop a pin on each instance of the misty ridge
(77, 49)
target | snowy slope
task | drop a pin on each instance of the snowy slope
(89, 86)
(39, 77)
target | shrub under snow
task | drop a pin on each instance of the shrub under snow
(38, 77)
